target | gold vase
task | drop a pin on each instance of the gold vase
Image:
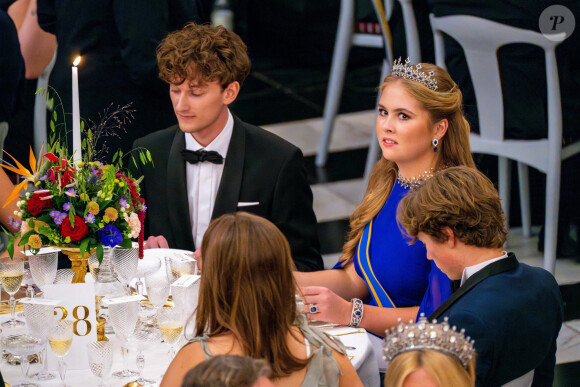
(78, 263)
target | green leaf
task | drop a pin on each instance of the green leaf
(90, 134)
(50, 103)
(134, 162)
(142, 157)
(10, 248)
(83, 246)
(54, 115)
(84, 143)
(115, 156)
(126, 243)
(39, 91)
(52, 125)
(100, 253)
(72, 219)
(149, 156)
(82, 125)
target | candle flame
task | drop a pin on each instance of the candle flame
(77, 61)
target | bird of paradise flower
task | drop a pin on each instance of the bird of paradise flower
(37, 168)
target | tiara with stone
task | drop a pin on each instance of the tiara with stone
(425, 335)
(407, 71)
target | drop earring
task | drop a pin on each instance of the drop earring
(435, 142)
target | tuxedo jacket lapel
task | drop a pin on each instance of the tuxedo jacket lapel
(500, 266)
(177, 190)
(231, 182)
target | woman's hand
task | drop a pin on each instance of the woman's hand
(329, 306)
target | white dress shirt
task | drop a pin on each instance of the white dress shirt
(201, 197)
(471, 270)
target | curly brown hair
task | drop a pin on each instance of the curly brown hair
(203, 53)
(460, 198)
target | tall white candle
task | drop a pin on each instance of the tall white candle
(76, 117)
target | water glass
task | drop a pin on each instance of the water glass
(124, 319)
(23, 346)
(143, 336)
(158, 285)
(43, 266)
(60, 340)
(125, 263)
(40, 321)
(148, 264)
(100, 354)
(170, 323)
(11, 275)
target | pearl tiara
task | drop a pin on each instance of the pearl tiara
(431, 336)
(407, 71)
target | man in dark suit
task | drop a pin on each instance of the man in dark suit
(212, 163)
(511, 310)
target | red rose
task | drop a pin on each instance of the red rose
(76, 233)
(35, 205)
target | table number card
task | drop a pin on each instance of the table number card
(78, 305)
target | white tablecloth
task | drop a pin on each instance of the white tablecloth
(360, 352)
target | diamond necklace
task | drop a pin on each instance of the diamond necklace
(414, 181)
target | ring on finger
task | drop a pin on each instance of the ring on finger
(313, 308)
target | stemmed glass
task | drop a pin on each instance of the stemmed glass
(11, 274)
(43, 266)
(40, 321)
(143, 336)
(23, 346)
(181, 264)
(60, 340)
(125, 263)
(124, 318)
(148, 264)
(158, 286)
(170, 323)
(100, 355)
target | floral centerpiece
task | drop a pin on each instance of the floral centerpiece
(78, 207)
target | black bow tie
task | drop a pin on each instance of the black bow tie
(194, 157)
(455, 285)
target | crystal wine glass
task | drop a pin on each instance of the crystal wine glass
(170, 323)
(43, 266)
(143, 336)
(145, 266)
(125, 263)
(40, 321)
(11, 274)
(100, 354)
(124, 318)
(60, 340)
(23, 346)
(158, 285)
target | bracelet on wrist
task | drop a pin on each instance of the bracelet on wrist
(356, 315)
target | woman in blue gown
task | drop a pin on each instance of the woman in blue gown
(421, 129)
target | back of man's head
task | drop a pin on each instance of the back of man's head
(227, 371)
(202, 54)
(460, 198)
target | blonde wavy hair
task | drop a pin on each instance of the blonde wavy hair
(443, 369)
(443, 103)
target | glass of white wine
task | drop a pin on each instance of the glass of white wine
(170, 323)
(60, 341)
(11, 274)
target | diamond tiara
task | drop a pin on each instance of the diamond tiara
(412, 73)
(432, 336)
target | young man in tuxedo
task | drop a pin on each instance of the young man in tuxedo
(212, 163)
(513, 311)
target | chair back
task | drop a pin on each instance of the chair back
(480, 40)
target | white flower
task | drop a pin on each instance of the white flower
(134, 224)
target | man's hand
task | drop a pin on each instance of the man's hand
(156, 242)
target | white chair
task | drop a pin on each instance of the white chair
(345, 39)
(480, 40)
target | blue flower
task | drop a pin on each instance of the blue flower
(10, 219)
(67, 206)
(123, 203)
(110, 235)
(17, 224)
(58, 216)
(71, 192)
(89, 218)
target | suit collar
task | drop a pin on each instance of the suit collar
(494, 268)
(179, 219)
(230, 185)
